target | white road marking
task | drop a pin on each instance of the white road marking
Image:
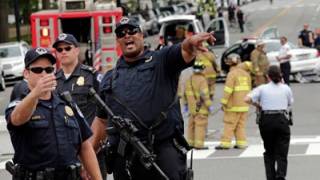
(201, 154)
(253, 151)
(313, 149)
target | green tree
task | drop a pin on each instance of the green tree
(4, 35)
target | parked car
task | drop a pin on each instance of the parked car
(303, 60)
(190, 23)
(2, 82)
(12, 59)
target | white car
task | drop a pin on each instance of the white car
(12, 59)
(303, 60)
(190, 23)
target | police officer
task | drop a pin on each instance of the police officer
(238, 84)
(47, 137)
(305, 37)
(284, 59)
(78, 79)
(197, 93)
(146, 83)
(274, 99)
(260, 63)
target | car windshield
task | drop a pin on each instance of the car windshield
(7, 52)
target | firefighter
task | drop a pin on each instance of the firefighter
(237, 86)
(197, 94)
(210, 8)
(247, 66)
(211, 69)
(260, 64)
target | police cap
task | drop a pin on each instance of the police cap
(66, 38)
(34, 54)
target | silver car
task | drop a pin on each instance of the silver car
(12, 59)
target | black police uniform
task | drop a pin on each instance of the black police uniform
(304, 36)
(50, 139)
(82, 78)
(275, 132)
(148, 86)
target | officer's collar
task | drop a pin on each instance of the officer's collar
(141, 59)
(76, 72)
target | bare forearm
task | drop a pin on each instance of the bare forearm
(188, 51)
(89, 160)
(24, 110)
(99, 132)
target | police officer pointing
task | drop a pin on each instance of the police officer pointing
(146, 83)
(47, 137)
(274, 99)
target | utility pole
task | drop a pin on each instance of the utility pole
(17, 18)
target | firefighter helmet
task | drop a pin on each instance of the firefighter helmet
(233, 59)
(198, 66)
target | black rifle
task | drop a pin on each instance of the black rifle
(127, 131)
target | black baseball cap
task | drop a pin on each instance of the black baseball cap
(34, 54)
(66, 38)
(126, 22)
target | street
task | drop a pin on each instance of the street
(247, 164)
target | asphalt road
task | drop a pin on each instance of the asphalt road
(304, 156)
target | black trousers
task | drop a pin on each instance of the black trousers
(275, 132)
(171, 161)
(285, 70)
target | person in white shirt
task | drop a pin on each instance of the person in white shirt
(274, 100)
(284, 59)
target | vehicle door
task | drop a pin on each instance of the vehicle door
(221, 32)
(270, 33)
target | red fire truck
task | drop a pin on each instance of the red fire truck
(91, 23)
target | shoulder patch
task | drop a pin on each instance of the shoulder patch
(88, 68)
(13, 103)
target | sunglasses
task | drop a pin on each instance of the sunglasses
(130, 31)
(68, 48)
(39, 70)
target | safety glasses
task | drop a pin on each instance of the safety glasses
(130, 31)
(39, 70)
(68, 48)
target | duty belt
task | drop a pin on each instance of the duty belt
(71, 172)
(274, 112)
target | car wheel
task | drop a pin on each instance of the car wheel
(2, 84)
(300, 78)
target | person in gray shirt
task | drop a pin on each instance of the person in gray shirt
(274, 100)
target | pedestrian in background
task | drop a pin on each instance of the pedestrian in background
(240, 18)
(77, 78)
(305, 37)
(317, 39)
(47, 136)
(238, 84)
(146, 81)
(274, 100)
(284, 59)
(260, 63)
(198, 99)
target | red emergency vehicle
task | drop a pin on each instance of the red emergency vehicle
(91, 23)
